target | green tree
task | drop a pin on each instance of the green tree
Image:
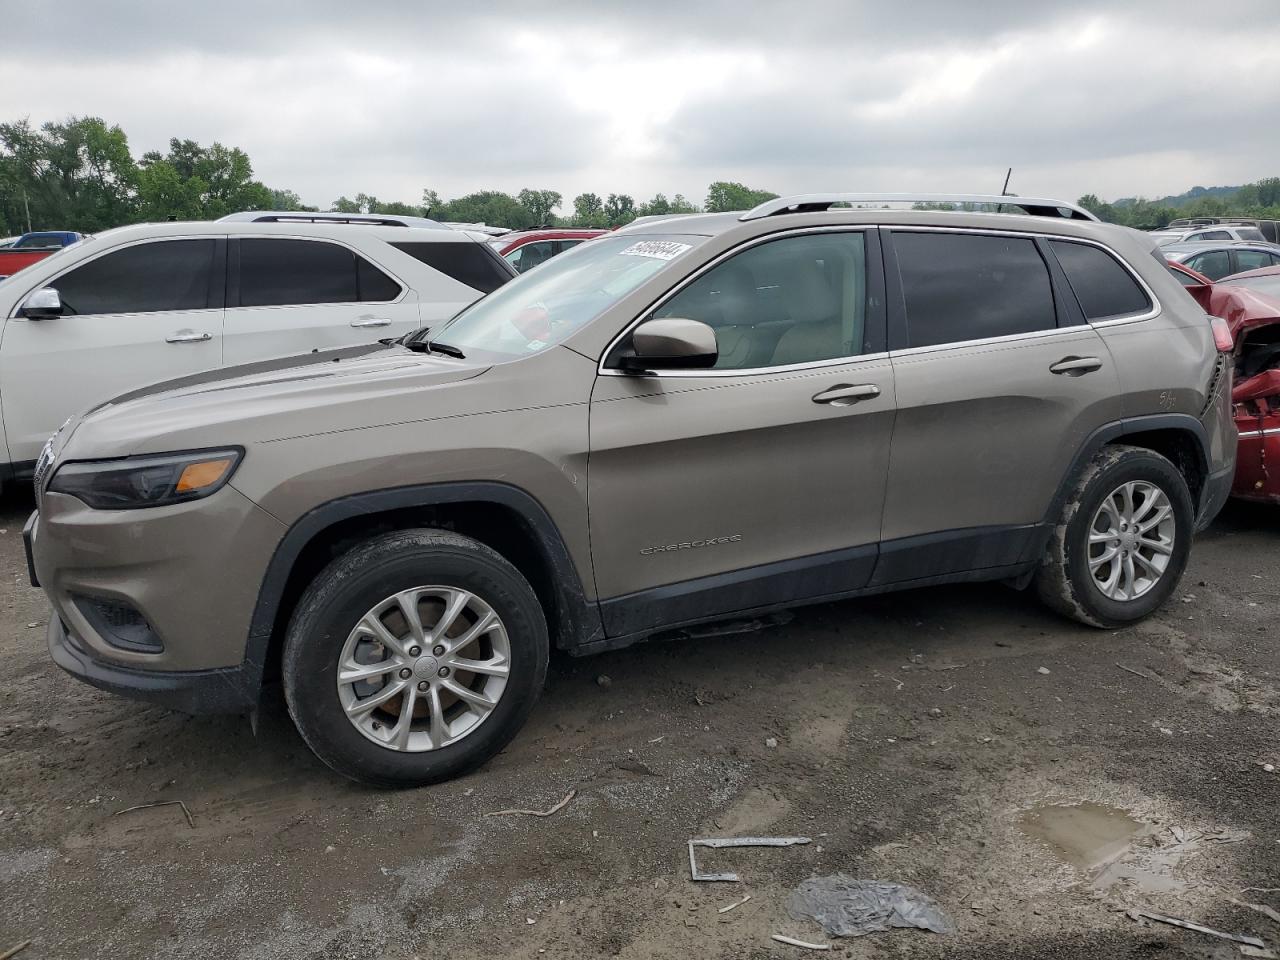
(660, 206)
(724, 196)
(487, 206)
(541, 205)
(588, 211)
(619, 209)
(343, 205)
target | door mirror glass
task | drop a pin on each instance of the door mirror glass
(671, 343)
(44, 304)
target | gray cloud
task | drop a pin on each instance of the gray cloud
(391, 97)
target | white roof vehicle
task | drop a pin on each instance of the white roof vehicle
(160, 301)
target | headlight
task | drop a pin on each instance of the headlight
(149, 481)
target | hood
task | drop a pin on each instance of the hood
(269, 400)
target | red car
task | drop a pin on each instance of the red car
(1250, 304)
(525, 249)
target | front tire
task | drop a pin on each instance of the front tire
(1122, 540)
(413, 658)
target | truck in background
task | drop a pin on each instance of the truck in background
(30, 247)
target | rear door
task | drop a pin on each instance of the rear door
(999, 380)
(291, 295)
(131, 316)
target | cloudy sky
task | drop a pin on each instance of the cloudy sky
(330, 97)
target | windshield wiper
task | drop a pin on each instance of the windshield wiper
(433, 346)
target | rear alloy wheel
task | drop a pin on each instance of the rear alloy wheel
(414, 657)
(1121, 542)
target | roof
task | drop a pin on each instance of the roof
(1248, 274)
(1187, 248)
(217, 228)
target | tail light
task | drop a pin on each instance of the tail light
(1222, 338)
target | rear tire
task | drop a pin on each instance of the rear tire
(329, 629)
(1110, 561)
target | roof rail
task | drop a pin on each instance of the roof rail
(308, 216)
(812, 202)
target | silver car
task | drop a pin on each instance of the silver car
(682, 421)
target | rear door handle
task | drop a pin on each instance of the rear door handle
(844, 394)
(371, 322)
(1076, 366)
(188, 336)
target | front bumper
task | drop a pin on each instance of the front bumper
(224, 690)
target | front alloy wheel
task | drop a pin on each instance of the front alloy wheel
(424, 668)
(414, 657)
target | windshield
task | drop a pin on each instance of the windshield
(542, 307)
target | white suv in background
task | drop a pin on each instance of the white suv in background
(158, 301)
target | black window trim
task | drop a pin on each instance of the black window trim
(233, 273)
(875, 309)
(219, 264)
(899, 345)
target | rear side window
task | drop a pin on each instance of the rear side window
(145, 278)
(278, 272)
(961, 286)
(471, 263)
(1252, 260)
(1102, 287)
(1213, 235)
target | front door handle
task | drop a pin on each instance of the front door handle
(1076, 366)
(371, 322)
(188, 336)
(843, 394)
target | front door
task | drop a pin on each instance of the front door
(760, 481)
(147, 312)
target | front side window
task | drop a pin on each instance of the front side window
(1103, 288)
(799, 299)
(144, 278)
(960, 286)
(1214, 265)
(1211, 235)
(541, 308)
(279, 272)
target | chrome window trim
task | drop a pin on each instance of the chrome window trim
(1155, 310)
(990, 341)
(1270, 431)
(603, 371)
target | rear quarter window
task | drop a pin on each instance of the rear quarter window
(1103, 287)
(473, 264)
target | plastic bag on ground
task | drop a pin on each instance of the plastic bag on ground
(846, 907)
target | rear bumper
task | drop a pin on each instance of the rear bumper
(1217, 489)
(222, 690)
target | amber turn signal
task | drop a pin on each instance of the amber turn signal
(197, 476)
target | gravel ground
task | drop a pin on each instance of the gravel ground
(908, 735)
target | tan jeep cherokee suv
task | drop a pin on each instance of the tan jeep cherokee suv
(681, 421)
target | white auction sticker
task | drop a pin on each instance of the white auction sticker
(657, 249)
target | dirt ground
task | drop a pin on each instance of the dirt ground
(917, 736)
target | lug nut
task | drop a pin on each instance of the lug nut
(438, 651)
(406, 673)
(423, 685)
(444, 672)
(414, 651)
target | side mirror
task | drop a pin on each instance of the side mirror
(671, 343)
(44, 304)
